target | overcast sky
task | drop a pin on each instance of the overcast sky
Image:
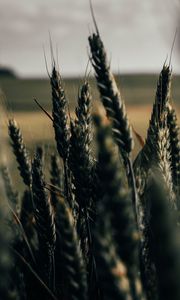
(137, 34)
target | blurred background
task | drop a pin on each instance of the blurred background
(138, 36)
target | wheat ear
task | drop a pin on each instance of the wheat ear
(20, 152)
(44, 217)
(110, 96)
(59, 113)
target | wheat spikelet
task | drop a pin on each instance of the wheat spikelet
(20, 152)
(110, 96)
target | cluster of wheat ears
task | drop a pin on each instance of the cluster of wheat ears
(104, 227)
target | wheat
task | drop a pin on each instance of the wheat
(110, 96)
(59, 113)
(20, 152)
(44, 221)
